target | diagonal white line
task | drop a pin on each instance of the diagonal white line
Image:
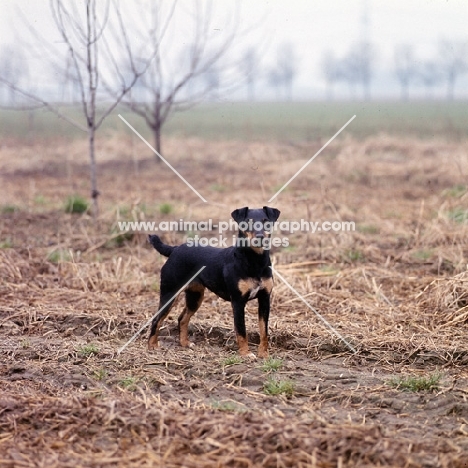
(151, 319)
(312, 158)
(162, 159)
(314, 310)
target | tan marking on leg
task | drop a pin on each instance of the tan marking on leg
(153, 342)
(267, 283)
(263, 347)
(184, 320)
(243, 346)
(187, 314)
(246, 285)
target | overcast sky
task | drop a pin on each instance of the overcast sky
(312, 26)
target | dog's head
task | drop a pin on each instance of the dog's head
(255, 225)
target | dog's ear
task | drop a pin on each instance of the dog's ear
(272, 213)
(240, 214)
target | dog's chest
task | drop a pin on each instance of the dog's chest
(251, 286)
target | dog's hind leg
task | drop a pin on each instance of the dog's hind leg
(193, 299)
(166, 301)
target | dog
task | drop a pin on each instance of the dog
(237, 274)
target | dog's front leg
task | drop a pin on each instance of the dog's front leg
(263, 315)
(238, 308)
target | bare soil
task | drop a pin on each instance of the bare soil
(72, 291)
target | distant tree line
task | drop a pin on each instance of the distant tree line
(356, 69)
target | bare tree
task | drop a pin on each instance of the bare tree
(275, 81)
(429, 74)
(175, 85)
(212, 80)
(359, 66)
(405, 68)
(453, 59)
(87, 44)
(284, 71)
(348, 71)
(331, 70)
(84, 29)
(249, 67)
(13, 68)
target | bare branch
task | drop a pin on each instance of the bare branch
(43, 103)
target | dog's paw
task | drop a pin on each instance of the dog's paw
(153, 342)
(262, 351)
(187, 344)
(249, 357)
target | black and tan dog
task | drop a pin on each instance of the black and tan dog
(237, 274)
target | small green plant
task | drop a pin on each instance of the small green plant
(118, 238)
(228, 406)
(123, 238)
(272, 364)
(100, 374)
(6, 209)
(456, 191)
(368, 229)
(165, 208)
(231, 360)
(218, 188)
(123, 211)
(459, 215)
(391, 214)
(416, 384)
(129, 383)
(58, 256)
(328, 268)
(88, 350)
(40, 200)
(76, 204)
(423, 254)
(6, 244)
(279, 387)
(354, 255)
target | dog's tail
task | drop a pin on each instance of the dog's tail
(162, 248)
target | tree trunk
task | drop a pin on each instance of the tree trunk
(157, 140)
(157, 125)
(93, 172)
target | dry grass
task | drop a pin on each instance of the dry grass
(395, 288)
